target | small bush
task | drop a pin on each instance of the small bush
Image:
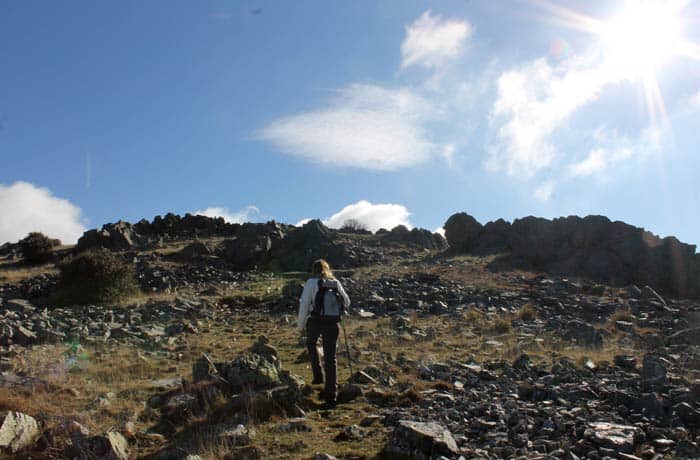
(473, 316)
(501, 326)
(527, 312)
(37, 248)
(354, 226)
(96, 276)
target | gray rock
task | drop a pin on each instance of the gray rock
(685, 337)
(350, 433)
(688, 414)
(348, 392)
(252, 371)
(419, 441)
(18, 431)
(650, 294)
(298, 425)
(322, 456)
(653, 373)
(238, 435)
(620, 438)
(110, 446)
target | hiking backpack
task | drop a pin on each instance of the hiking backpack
(328, 302)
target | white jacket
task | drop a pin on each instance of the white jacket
(306, 302)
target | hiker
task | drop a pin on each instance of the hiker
(321, 306)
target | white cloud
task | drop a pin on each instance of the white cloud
(694, 101)
(597, 160)
(365, 126)
(440, 230)
(448, 151)
(247, 214)
(431, 41)
(372, 216)
(303, 221)
(544, 191)
(612, 149)
(26, 208)
(532, 102)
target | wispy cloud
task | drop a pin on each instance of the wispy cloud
(597, 160)
(247, 214)
(532, 102)
(694, 101)
(364, 126)
(545, 190)
(432, 41)
(612, 150)
(26, 208)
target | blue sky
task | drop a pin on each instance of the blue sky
(388, 112)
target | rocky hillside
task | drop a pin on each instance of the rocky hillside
(592, 247)
(466, 351)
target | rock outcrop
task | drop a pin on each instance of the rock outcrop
(592, 247)
(18, 431)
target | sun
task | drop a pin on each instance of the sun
(635, 44)
(643, 36)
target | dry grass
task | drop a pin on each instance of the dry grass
(13, 272)
(527, 312)
(127, 372)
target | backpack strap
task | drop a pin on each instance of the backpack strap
(318, 300)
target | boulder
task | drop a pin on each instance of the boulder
(193, 251)
(653, 373)
(461, 231)
(252, 371)
(619, 438)
(263, 348)
(18, 431)
(117, 237)
(109, 446)
(246, 251)
(419, 441)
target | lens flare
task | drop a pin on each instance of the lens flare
(645, 35)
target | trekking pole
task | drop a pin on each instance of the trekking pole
(347, 347)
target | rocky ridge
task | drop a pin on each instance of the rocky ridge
(592, 247)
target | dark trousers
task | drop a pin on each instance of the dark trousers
(328, 331)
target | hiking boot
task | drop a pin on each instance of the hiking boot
(329, 399)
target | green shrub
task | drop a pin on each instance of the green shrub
(37, 248)
(96, 276)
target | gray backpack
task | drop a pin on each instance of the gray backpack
(328, 303)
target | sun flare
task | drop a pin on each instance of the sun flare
(644, 36)
(637, 43)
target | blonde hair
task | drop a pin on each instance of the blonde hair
(321, 269)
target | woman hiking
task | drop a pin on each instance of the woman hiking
(321, 306)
